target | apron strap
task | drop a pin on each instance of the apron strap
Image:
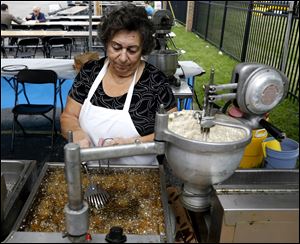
(98, 80)
(129, 93)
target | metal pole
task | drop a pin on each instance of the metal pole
(287, 36)
(72, 165)
(207, 21)
(97, 153)
(90, 27)
(247, 32)
(223, 25)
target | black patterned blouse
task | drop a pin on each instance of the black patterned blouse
(150, 91)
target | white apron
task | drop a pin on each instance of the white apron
(99, 122)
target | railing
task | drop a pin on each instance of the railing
(251, 31)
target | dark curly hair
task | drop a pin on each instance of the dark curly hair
(131, 18)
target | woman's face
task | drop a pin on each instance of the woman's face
(124, 51)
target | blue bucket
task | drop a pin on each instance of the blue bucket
(284, 159)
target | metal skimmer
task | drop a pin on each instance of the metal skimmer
(94, 195)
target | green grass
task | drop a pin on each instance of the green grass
(285, 116)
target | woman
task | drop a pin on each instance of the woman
(117, 97)
(36, 15)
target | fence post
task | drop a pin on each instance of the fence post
(247, 32)
(207, 21)
(164, 4)
(189, 16)
(223, 25)
(287, 36)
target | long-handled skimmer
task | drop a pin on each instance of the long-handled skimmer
(94, 194)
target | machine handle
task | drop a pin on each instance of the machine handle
(70, 136)
(274, 131)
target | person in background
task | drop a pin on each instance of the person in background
(117, 97)
(7, 18)
(36, 15)
(149, 9)
(81, 59)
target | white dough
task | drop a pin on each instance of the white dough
(184, 124)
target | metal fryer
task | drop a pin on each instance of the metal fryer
(17, 177)
(28, 236)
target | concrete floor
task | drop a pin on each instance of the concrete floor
(36, 145)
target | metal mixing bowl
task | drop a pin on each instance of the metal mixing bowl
(201, 163)
(165, 60)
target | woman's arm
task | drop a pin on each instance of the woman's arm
(69, 121)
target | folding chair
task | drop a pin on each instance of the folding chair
(60, 47)
(4, 27)
(19, 27)
(97, 43)
(80, 43)
(27, 48)
(56, 27)
(3, 52)
(39, 78)
(38, 27)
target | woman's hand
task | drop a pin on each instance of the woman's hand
(116, 141)
(82, 139)
(84, 143)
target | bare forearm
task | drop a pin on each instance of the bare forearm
(69, 121)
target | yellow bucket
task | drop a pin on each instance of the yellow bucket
(253, 155)
(272, 144)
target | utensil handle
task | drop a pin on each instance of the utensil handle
(70, 136)
(85, 167)
(274, 131)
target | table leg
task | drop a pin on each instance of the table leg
(60, 83)
(190, 82)
(180, 104)
(13, 84)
